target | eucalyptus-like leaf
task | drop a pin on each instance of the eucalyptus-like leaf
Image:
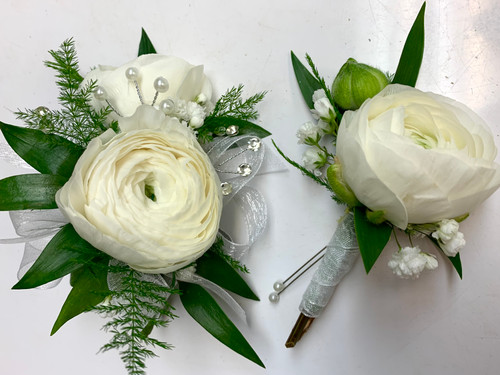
(203, 308)
(145, 45)
(413, 52)
(90, 287)
(65, 253)
(47, 153)
(212, 267)
(371, 238)
(307, 82)
(29, 191)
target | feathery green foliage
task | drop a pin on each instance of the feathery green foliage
(136, 307)
(308, 173)
(230, 108)
(76, 120)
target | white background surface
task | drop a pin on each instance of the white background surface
(375, 324)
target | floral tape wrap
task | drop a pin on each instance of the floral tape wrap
(341, 253)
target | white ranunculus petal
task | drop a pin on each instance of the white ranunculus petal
(419, 157)
(105, 199)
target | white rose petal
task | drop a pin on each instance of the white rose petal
(419, 157)
(148, 196)
(185, 81)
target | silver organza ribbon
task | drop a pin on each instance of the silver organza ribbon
(341, 253)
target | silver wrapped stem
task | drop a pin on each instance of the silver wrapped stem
(341, 253)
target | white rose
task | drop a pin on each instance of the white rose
(185, 82)
(147, 196)
(419, 157)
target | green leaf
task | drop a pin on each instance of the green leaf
(29, 191)
(90, 287)
(65, 253)
(457, 264)
(455, 261)
(413, 52)
(372, 238)
(212, 267)
(47, 153)
(203, 308)
(145, 45)
(244, 127)
(307, 82)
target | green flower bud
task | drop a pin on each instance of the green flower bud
(339, 186)
(355, 83)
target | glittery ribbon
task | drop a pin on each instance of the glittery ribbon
(35, 228)
(188, 275)
(341, 253)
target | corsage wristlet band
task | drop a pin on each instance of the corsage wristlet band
(406, 164)
(134, 171)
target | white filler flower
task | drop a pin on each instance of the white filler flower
(419, 157)
(147, 196)
(411, 261)
(450, 240)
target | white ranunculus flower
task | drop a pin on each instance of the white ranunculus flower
(185, 82)
(419, 157)
(147, 196)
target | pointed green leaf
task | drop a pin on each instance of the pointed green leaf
(455, 261)
(212, 267)
(413, 52)
(203, 308)
(29, 191)
(307, 82)
(65, 253)
(47, 153)
(372, 238)
(244, 127)
(457, 264)
(145, 45)
(90, 287)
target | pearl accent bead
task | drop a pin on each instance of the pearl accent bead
(167, 106)
(132, 74)
(161, 84)
(274, 297)
(100, 93)
(278, 286)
